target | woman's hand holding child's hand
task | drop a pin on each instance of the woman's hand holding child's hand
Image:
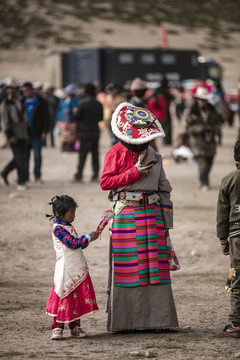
(94, 235)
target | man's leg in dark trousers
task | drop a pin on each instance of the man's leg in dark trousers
(85, 147)
(8, 168)
(19, 157)
(167, 127)
(234, 315)
(28, 148)
(204, 166)
(37, 149)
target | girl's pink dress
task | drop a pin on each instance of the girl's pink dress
(80, 301)
(72, 294)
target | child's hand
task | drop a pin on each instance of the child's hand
(94, 235)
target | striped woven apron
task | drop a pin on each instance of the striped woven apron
(139, 246)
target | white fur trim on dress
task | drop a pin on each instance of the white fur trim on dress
(126, 138)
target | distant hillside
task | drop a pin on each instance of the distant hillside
(46, 23)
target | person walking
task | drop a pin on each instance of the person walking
(203, 125)
(36, 113)
(228, 232)
(65, 119)
(15, 128)
(139, 286)
(88, 116)
(72, 294)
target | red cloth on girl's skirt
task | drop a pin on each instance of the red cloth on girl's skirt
(80, 301)
(71, 325)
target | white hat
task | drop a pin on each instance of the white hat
(70, 89)
(135, 125)
(202, 93)
(9, 82)
(138, 84)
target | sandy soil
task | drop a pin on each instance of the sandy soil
(28, 259)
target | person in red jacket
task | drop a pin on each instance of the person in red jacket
(140, 293)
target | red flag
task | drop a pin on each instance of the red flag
(164, 36)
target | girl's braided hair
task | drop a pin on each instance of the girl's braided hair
(237, 151)
(61, 205)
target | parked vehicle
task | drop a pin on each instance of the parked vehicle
(106, 65)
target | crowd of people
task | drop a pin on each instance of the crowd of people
(32, 115)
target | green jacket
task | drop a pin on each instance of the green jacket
(228, 206)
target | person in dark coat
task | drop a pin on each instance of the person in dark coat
(15, 128)
(36, 112)
(88, 116)
(202, 125)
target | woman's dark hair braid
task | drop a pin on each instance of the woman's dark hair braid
(61, 205)
(237, 151)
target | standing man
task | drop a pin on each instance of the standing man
(36, 111)
(89, 114)
(15, 128)
(203, 125)
(53, 103)
(228, 232)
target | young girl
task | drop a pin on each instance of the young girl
(72, 294)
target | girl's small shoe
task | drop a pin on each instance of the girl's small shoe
(57, 334)
(78, 332)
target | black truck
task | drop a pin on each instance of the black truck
(119, 65)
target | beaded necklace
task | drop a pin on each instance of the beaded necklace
(134, 156)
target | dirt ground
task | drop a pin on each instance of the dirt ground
(27, 263)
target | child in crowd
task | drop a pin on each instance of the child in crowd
(72, 294)
(228, 231)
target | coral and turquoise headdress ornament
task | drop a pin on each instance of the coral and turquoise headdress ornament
(135, 125)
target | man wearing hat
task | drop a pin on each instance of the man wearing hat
(16, 131)
(138, 90)
(203, 127)
(139, 288)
